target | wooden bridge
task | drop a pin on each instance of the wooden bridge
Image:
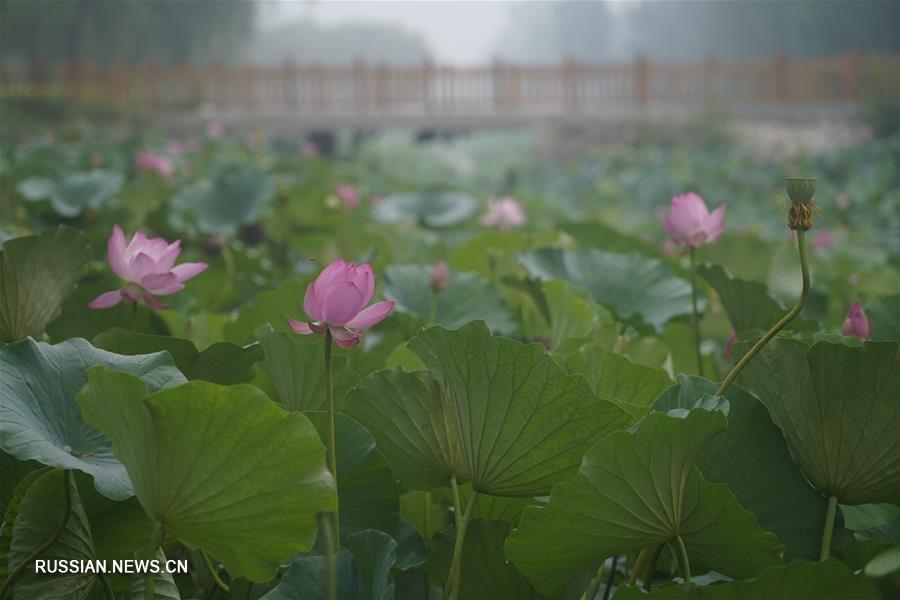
(440, 97)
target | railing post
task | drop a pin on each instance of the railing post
(289, 83)
(570, 73)
(711, 78)
(850, 71)
(781, 77)
(360, 85)
(641, 83)
(427, 79)
(318, 87)
(382, 86)
(499, 85)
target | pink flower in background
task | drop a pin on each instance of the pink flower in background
(503, 213)
(729, 346)
(215, 129)
(349, 195)
(336, 301)
(155, 163)
(690, 223)
(439, 277)
(824, 239)
(148, 268)
(176, 147)
(310, 150)
(857, 323)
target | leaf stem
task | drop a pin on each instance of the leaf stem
(612, 578)
(228, 258)
(159, 535)
(827, 532)
(67, 495)
(332, 442)
(591, 592)
(652, 568)
(638, 565)
(696, 319)
(790, 316)
(683, 559)
(214, 572)
(456, 567)
(426, 533)
(330, 554)
(107, 588)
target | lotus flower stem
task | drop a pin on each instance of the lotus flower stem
(159, 535)
(790, 316)
(652, 568)
(107, 588)
(67, 507)
(228, 257)
(827, 532)
(214, 572)
(612, 578)
(683, 559)
(694, 311)
(462, 522)
(642, 557)
(332, 442)
(330, 554)
(591, 592)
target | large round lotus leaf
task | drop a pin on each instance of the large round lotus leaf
(37, 272)
(752, 459)
(492, 410)
(637, 490)
(431, 209)
(467, 297)
(38, 514)
(800, 580)
(42, 422)
(884, 317)
(71, 194)
(643, 292)
(839, 410)
(224, 468)
(234, 194)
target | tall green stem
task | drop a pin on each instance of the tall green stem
(694, 311)
(330, 556)
(426, 533)
(827, 532)
(792, 314)
(214, 572)
(67, 507)
(612, 578)
(159, 535)
(652, 569)
(230, 270)
(683, 558)
(642, 557)
(332, 442)
(462, 523)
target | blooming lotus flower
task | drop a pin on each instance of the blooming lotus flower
(857, 323)
(148, 267)
(439, 277)
(690, 223)
(336, 301)
(503, 213)
(349, 195)
(155, 163)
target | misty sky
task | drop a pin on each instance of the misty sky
(460, 32)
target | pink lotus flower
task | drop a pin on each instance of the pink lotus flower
(690, 223)
(824, 239)
(336, 301)
(148, 268)
(857, 323)
(439, 277)
(155, 163)
(503, 213)
(729, 346)
(349, 195)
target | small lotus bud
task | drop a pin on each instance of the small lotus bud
(439, 277)
(857, 323)
(802, 210)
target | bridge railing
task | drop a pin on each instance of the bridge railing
(499, 88)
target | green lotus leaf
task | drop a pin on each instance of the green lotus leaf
(468, 297)
(430, 209)
(494, 411)
(41, 422)
(269, 479)
(72, 194)
(164, 587)
(643, 292)
(800, 580)
(37, 273)
(885, 563)
(272, 307)
(884, 318)
(838, 407)
(637, 490)
(41, 510)
(876, 522)
(752, 459)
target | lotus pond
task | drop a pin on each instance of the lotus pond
(448, 369)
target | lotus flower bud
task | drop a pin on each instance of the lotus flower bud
(856, 323)
(802, 210)
(439, 277)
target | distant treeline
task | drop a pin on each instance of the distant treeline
(694, 29)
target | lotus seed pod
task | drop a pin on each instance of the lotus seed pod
(802, 210)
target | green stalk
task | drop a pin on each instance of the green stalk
(652, 569)
(332, 442)
(159, 535)
(330, 554)
(829, 528)
(107, 588)
(642, 557)
(214, 572)
(612, 578)
(792, 314)
(694, 311)
(594, 587)
(452, 589)
(683, 559)
(426, 533)
(67, 494)
(230, 270)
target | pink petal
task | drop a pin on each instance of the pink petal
(106, 299)
(169, 289)
(715, 224)
(153, 302)
(344, 338)
(115, 252)
(670, 228)
(688, 215)
(137, 243)
(311, 305)
(156, 281)
(140, 266)
(364, 279)
(167, 259)
(301, 328)
(341, 303)
(371, 316)
(186, 271)
(331, 274)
